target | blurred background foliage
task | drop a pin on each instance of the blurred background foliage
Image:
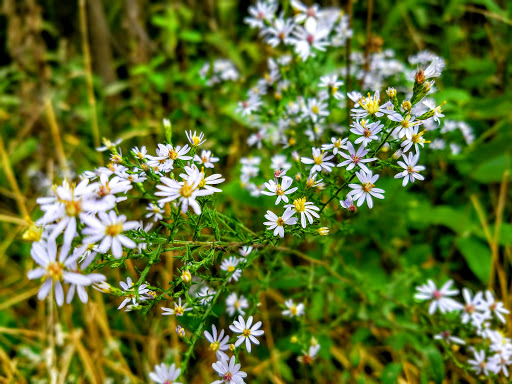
(144, 58)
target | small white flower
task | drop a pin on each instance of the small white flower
(247, 107)
(229, 372)
(155, 212)
(55, 271)
(262, 11)
(310, 355)
(195, 140)
(206, 159)
(416, 140)
(336, 145)
(473, 307)
(333, 85)
(280, 190)
(109, 145)
(440, 297)
(306, 209)
(369, 107)
(205, 295)
(479, 363)
(366, 190)
(218, 342)
(293, 309)
(277, 223)
(245, 250)
(315, 109)
(448, 338)
(141, 153)
(411, 170)
(406, 123)
(109, 230)
(178, 309)
(311, 36)
(495, 307)
(248, 331)
(356, 158)
(320, 161)
(165, 375)
(229, 265)
(130, 294)
(304, 12)
(368, 132)
(236, 304)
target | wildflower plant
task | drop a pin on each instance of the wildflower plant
(319, 153)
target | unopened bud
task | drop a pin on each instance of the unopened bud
(294, 340)
(420, 77)
(296, 156)
(180, 331)
(391, 92)
(186, 277)
(323, 231)
(406, 105)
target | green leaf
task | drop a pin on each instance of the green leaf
(390, 373)
(477, 256)
(436, 365)
(492, 170)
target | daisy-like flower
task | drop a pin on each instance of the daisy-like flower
(195, 140)
(130, 294)
(193, 172)
(440, 297)
(245, 250)
(230, 265)
(312, 35)
(205, 295)
(310, 355)
(279, 32)
(178, 309)
(55, 270)
(436, 110)
(140, 153)
(186, 191)
(109, 145)
(495, 307)
(406, 122)
(218, 342)
(68, 202)
(165, 375)
(416, 140)
(348, 204)
(279, 162)
(304, 12)
(280, 190)
(411, 170)
(474, 308)
(355, 97)
(247, 107)
(248, 332)
(229, 372)
(206, 159)
(306, 209)
(112, 187)
(356, 158)
(336, 145)
(155, 212)
(277, 223)
(236, 304)
(370, 106)
(332, 84)
(366, 190)
(435, 68)
(109, 230)
(499, 363)
(315, 109)
(311, 182)
(368, 132)
(263, 10)
(320, 160)
(479, 363)
(293, 309)
(448, 338)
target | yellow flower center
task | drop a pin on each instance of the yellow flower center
(173, 155)
(315, 109)
(367, 187)
(237, 304)
(178, 310)
(196, 140)
(186, 190)
(114, 229)
(279, 191)
(318, 159)
(300, 204)
(54, 271)
(215, 346)
(246, 332)
(410, 169)
(280, 222)
(371, 105)
(231, 269)
(293, 310)
(73, 207)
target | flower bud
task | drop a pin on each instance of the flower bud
(232, 347)
(180, 331)
(391, 92)
(323, 231)
(406, 105)
(186, 277)
(420, 77)
(296, 156)
(294, 340)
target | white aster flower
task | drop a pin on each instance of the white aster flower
(406, 122)
(310, 355)
(315, 109)
(479, 363)
(293, 309)
(130, 294)
(370, 106)
(245, 250)
(474, 308)
(306, 209)
(218, 342)
(356, 158)
(411, 170)
(280, 189)
(55, 270)
(263, 10)
(230, 265)
(195, 140)
(368, 132)
(236, 304)
(248, 332)
(320, 161)
(333, 85)
(312, 35)
(304, 12)
(448, 338)
(277, 223)
(366, 190)
(495, 307)
(178, 309)
(205, 295)
(112, 187)
(206, 159)
(155, 212)
(165, 375)
(278, 32)
(229, 372)
(141, 153)
(336, 145)
(416, 139)
(440, 297)
(108, 145)
(109, 230)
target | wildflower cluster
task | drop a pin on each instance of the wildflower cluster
(473, 325)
